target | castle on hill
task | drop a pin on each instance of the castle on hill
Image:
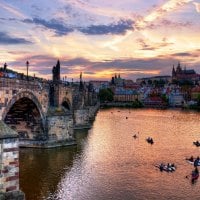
(179, 74)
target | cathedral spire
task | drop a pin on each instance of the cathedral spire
(178, 69)
(173, 71)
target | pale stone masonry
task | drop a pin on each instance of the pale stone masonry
(9, 163)
(60, 128)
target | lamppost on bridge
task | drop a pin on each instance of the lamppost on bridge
(27, 66)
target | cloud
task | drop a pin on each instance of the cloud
(115, 28)
(61, 29)
(168, 23)
(8, 40)
(197, 6)
(12, 10)
(103, 70)
(103, 11)
(145, 46)
(186, 54)
(158, 12)
(153, 46)
(53, 24)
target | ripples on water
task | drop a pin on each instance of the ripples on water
(109, 163)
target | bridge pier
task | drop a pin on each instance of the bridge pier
(60, 130)
(81, 118)
(84, 117)
(9, 164)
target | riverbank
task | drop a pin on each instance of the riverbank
(140, 105)
(135, 104)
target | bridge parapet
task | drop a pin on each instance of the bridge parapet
(12, 90)
(23, 84)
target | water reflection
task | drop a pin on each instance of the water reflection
(108, 163)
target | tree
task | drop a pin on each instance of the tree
(198, 100)
(149, 82)
(164, 98)
(106, 95)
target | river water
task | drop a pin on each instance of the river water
(108, 163)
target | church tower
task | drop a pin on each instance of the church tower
(178, 69)
(173, 72)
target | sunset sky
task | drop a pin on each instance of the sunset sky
(136, 38)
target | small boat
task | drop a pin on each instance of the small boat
(135, 136)
(150, 140)
(195, 176)
(195, 161)
(167, 168)
(197, 143)
(190, 162)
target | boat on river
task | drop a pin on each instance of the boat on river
(193, 161)
(195, 175)
(167, 168)
(150, 140)
(197, 143)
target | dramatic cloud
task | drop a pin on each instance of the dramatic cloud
(6, 39)
(53, 24)
(168, 23)
(60, 29)
(153, 46)
(158, 12)
(119, 28)
(134, 37)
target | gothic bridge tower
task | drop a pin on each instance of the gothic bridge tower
(54, 88)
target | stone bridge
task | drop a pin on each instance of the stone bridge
(45, 112)
(38, 113)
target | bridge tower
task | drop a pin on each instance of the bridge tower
(54, 89)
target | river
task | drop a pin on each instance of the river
(108, 163)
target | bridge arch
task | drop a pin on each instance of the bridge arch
(25, 107)
(66, 104)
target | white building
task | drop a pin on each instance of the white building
(176, 99)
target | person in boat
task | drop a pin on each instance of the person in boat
(191, 159)
(196, 162)
(161, 166)
(196, 171)
(168, 165)
(195, 174)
